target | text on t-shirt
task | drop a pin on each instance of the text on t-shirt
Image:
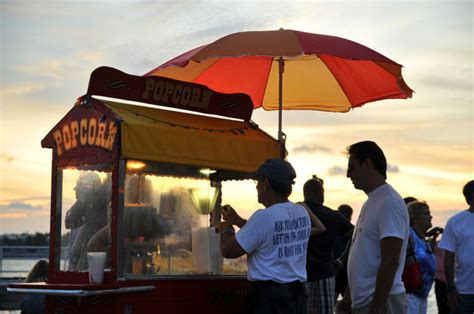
(289, 231)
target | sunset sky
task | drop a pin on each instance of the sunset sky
(49, 49)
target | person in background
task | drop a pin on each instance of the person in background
(275, 240)
(142, 223)
(341, 250)
(346, 211)
(96, 199)
(409, 199)
(380, 239)
(458, 245)
(420, 222)
(440, 278)
(320, 265)
(34, 304)
(87, 216)
(76, 215)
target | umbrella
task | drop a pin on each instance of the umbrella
(291, 70)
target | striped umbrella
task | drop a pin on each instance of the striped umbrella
(291, 70)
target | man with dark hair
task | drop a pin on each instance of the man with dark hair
(377, 255)
(275, 240)
(370, 150)
(346, 211)
(458, 245)
(320, 261)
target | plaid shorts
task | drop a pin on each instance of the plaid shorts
(321, 295)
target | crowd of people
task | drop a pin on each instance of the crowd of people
(308, 258)
(302, 256)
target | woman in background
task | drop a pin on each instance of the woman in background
(420, 222)
(35, 303)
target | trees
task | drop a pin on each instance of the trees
(25, 239)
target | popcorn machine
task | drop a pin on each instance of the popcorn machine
(142, 184)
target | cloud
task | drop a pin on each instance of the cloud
(393, 168)
(20, 206)
(20, 90)
(12, 215)
(448, 83)
(52, 72)
(309, 149)
(56, 69)
(91, 56)
(6, 158)
(30, 198)
(337, 171)
(21, 210)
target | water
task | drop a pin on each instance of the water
(12, 267)
(15, 268)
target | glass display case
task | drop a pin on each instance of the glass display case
(85, 210)
(167, 217)
(165, 226)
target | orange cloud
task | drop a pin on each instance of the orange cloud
(12, 215)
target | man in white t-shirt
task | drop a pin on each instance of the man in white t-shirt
(377, 255)
(275, 240)
(458, 245)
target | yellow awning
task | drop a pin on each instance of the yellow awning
(152, 134)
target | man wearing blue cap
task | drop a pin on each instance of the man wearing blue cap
(275, 240)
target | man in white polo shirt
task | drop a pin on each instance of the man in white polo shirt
(377, 255)
(458, 245)
(275, 240)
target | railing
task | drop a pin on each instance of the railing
(22, 255)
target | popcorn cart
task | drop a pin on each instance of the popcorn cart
(140, 186)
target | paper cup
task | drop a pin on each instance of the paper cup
(96, 267)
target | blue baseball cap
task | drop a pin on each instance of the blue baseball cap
(277, 170)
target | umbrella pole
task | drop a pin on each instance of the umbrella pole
(281, 137)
